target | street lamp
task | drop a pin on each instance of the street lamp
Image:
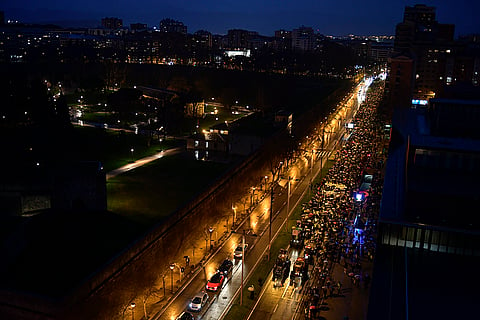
(131, 150)
(266, 179)
(132, 306)
(251, 197)
(234, 215)
(210, 230)
(288, 202)
(172, 266)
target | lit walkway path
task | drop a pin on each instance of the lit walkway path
(141, 162)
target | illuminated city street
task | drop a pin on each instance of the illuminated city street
(182, 160)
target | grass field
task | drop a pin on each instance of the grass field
(113, 148)
(154, 191)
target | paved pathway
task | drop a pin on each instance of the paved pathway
(141, 162)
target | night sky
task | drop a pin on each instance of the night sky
(331, 17)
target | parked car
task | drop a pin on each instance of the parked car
(238, 251)
(226, 267)
(186, 316)
(198, 301)
(216, 281)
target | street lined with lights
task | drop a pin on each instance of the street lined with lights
(257, 225)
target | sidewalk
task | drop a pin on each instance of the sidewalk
(352, 303)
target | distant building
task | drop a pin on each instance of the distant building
(239, 39)
(239, 138)
(259, 42)
(2, 18)
(203, 38)
(303, 38)
(283, 40)
(171, 26)
(399, 84)
(380, 51)
(429, 43)
(112, 23)
(138, 26)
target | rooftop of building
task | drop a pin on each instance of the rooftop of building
(437, 184)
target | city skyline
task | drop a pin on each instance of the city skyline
(330, 17)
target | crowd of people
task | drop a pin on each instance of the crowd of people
(343, 221)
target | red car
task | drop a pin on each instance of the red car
(216, 281)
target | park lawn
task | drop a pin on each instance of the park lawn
(95, 116)
(151, 193)
(113, 148)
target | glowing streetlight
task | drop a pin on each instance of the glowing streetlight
(252, 196)
(132, 306)
(172, 266)
(210, 231)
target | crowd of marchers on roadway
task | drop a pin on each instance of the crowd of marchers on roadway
(338, 224)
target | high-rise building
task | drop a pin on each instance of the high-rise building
(238, 38)
(428, 226)
(399, 84)
(303, 38)
(112, 23)
(429, 44)
(203, 38)
(283, 40)
(170, 26)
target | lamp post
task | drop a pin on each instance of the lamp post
(270, 222)
(132, 306)
(210, 231)
(234, 216)
(288, 202)
(172, 266)
(131, 150)
(311, 164)
(266, 179)
(252, 196)
(243, 255)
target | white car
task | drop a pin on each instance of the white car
(198, 301)
(238, 252)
